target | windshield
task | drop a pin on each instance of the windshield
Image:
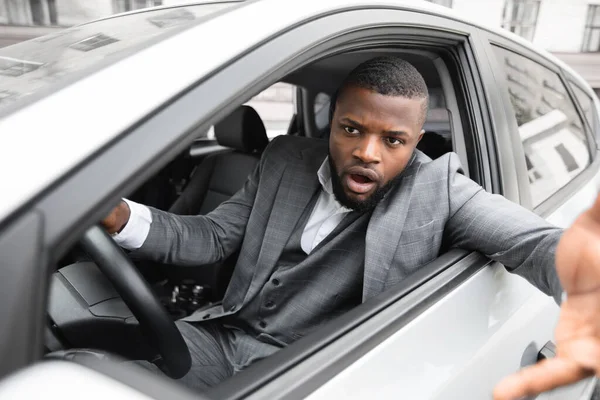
(63, 57)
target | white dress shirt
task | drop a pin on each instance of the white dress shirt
(325, 216)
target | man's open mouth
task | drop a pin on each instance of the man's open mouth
(361, 180)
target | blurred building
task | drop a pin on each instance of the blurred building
(25, 19)
(568, 28)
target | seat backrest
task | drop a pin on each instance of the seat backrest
(220, 176)
(434, 145)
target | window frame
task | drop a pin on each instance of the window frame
(590, 27)
(592, 123)
(554, 201)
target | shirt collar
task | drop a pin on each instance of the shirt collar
(324, 174)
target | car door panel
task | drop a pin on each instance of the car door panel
(427, 356)
(515, 344)
(474, 382)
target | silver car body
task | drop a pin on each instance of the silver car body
(459, 347)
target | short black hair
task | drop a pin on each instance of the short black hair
(389, 76)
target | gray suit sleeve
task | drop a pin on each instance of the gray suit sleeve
(504, 231)
(200, 239)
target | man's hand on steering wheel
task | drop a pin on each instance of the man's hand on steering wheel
(117, 219)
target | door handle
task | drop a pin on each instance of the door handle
(532, 355)
(582, 390)
(548, 351)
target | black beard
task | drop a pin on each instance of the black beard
(361, 206)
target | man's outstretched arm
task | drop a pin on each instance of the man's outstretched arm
(185, 240)
(578, 331)
(504, 231)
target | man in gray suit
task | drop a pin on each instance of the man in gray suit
(322, 227)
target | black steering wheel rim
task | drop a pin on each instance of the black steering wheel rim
(137, 294)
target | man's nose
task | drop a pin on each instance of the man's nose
(368, 149)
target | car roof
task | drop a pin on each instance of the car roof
(48, 137)
(32, 68)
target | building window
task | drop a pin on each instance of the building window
(446, 3)
(586, 103)
(520, 17)
(591, 37)
(30, 12)
(37, 12)
(129, 5)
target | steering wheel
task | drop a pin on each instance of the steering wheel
(137, 294)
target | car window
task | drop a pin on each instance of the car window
(276, 107)
(585, 101)
(552, 132)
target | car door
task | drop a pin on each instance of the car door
(454, 331)
(556, 163)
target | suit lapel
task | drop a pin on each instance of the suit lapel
(297, 186)
(383, 232)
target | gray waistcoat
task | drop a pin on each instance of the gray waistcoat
(305, 291)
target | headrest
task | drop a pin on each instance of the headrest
(242, 130)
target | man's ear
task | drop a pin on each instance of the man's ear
(420, 136)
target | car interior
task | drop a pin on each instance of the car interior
(86, 311)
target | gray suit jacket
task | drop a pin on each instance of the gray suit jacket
(434, 203)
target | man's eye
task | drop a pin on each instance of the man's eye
(351, 130)
(394, 141)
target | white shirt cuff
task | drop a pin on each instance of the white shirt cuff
(136, 230)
